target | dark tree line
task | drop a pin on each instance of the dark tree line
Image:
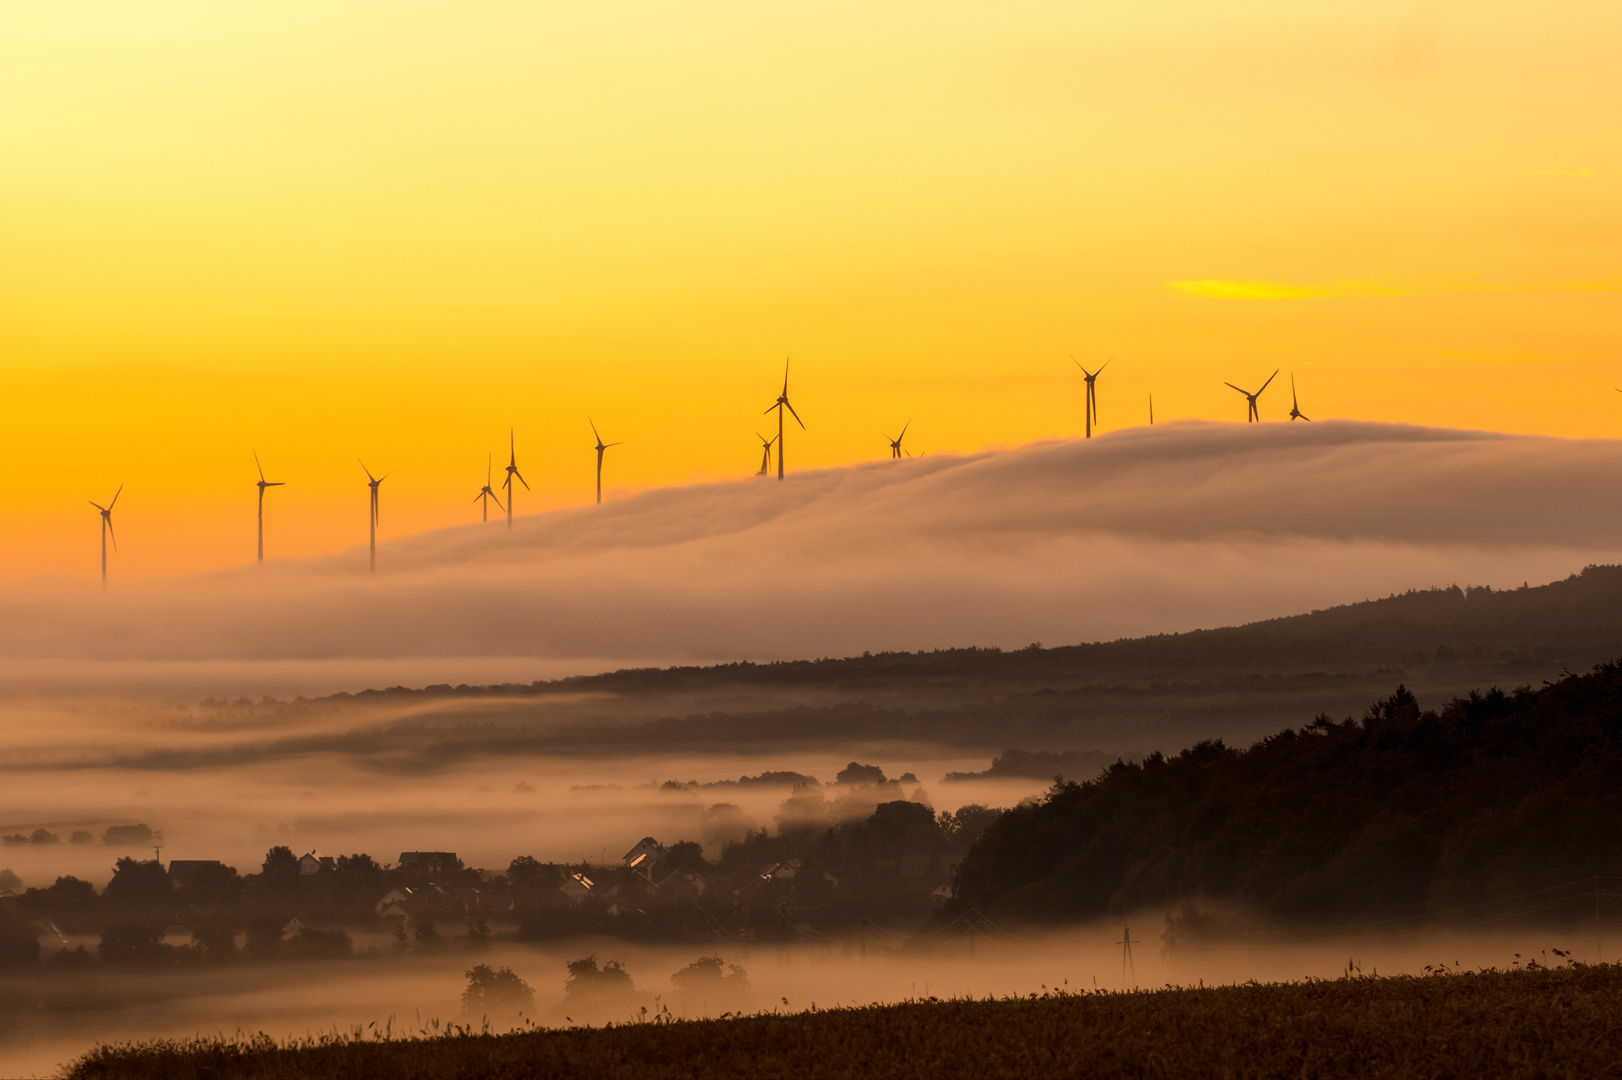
(1403, 812)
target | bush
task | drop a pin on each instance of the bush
(496, 994)
(591, 986)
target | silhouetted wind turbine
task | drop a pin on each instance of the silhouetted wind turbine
(601, 446)
(780, 405)
(1151, 410)
(486, 493)
(1253, 416)
(107, 530)
(263, 484)
(1090, 406)
(1295, 405)
(895, 443)
(512, 471)
(374, 482)
(766, 453)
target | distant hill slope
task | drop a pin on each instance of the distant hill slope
(1130, 696)
(1404, 812)
(1576, 621)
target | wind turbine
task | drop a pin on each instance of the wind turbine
(766, 453)
(1295, 405)
(895, 443)
(486, 493)
(1151, 410)
(780, 405)
(601, 446)
(107, 530)
(1090, 406)
(263, 484)
(512, 471)
(374, 482)
(1253, 416)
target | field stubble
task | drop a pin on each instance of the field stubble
(1533, 1021)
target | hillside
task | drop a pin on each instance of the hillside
(1129, 696)
(1536, 1022)
(1404, 812)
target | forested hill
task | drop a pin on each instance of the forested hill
(1576, 622)
(1402, 812)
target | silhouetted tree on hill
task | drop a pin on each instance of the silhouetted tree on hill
(1402, 812)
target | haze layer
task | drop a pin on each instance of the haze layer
(1143, 531)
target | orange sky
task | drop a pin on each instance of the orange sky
(393, 230)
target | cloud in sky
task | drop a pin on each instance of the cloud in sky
(1142, 531)
(1217, 289)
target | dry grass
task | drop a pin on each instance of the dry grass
(1541, 1022)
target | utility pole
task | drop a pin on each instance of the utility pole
(1126, 944)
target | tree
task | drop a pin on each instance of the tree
(19, 944)
(213, 884)
(496, 994)
(133, 944)
(590, 985)
(140, 884)
(280, 869)
(855, 773)
(685, 853)
(712, 979)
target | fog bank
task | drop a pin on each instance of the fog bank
(1140, 531)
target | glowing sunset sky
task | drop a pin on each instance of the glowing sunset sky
(390, 231)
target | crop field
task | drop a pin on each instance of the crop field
(1531, 1021)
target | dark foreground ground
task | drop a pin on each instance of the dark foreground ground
(1537, 1022)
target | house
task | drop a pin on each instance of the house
(647, 849)
(184, 871)
(291, 930)
(942, 892)
(576, 887)
(431, 862)
(783, 871)
(914, 866)
(311, 864)
(684, 881)
(397, 898)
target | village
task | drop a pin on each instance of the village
(871, 857)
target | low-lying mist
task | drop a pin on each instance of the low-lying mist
(408, 996)
(1140, 531)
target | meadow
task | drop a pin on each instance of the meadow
(1530, 1020)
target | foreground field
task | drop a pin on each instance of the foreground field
(1531, 1022)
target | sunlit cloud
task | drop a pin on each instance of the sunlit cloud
(1221, 289)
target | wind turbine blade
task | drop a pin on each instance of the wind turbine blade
(607, 445)
(367, 471)
(1270, 378)
(593, 424)
(785, 376)
(276, 483)
(904, 428)
(116, 494)
(796, 415)
(770, 407)
(260, 467)
(1104, 365)
(97, 505)
(1076, 362)
(521, 479)
(110, 531)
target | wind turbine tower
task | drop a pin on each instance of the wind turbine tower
(263, 484)
(374, 482)
(601, 446)
(1090, 406)
(1295, 404)
(895, 443)
(106, 531)
(486, 493)
(1252, 416)
(766, 453)
(781, 404)
(512, 471)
